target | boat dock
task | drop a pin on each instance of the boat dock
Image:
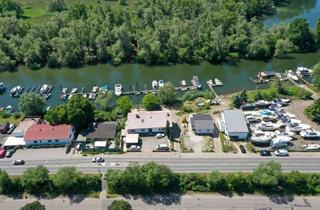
(217, 98)
(259, 81)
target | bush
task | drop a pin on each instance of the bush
(193, 182)
(5, 182)
(192, 95)
(240, 183)
(36, 205)
(217, 182)
(35, 180)
(120, 205)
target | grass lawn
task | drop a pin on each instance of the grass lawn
(15, 119)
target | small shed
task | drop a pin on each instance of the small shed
(100, 144)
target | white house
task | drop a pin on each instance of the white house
(233, 124)
(148, 122)
(44, 134)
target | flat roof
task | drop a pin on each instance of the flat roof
(131, 139)
(235, 121)
(202, 121)
(14, 141)
(148, 119)
(25, 125)
(100, 143)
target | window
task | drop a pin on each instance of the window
(56, 140)
(49, 140)
(208, 130)
(35, 142)
(40, 141)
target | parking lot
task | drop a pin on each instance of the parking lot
(150, 143)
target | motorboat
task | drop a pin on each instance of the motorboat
(282, 138)
(74, 90)
(263, 103)
(268, 126)
(8, 109)
(16, 91)
(311, 146)
(161, 83)
(303, 71)
(261, 138)
(105, 88)
(2, 87)
(292, 75)
(183, 83)
(252, 119)
(64, 91)
(118, 89)
(63, 97)
(95, 89)
(154, 84)
(285, 133)
(210, 82)
(265, 75)
(196, 83)
(218, 82)
(310, 134)
(44, 89)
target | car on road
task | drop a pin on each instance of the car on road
(114, 164)
(97, 160)
(243, 150)
(265, 153)
(18, 162)
(281, 152)
(160, 135)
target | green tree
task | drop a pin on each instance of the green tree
(56, 6)
(5, 182)
(297, 183)
(217, 182)
(124, 105)
(283, 47)
(317, 31)
(35, 180)
(240, 182)
(150, 102)
(236, 101)
(167, 94)
(78, 11)
(258, 96)
(57, 115)
(300, 35)
(316, 75)
(120, 205)
(67, 180)
(35, 205)
(168, 130)
(267, 176)
(103, 101)
(313, 111)
(32, 104)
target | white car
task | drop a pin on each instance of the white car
(97, 160)
(281, 152)
(160, 135)
(135, 148)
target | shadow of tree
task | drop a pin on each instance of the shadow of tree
(165, 199)
(281, 199)
(76, 198)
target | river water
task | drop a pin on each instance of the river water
(235, 76)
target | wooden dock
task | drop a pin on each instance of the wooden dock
(259, 81)
(217, 98)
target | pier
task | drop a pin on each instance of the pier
(259, 81)
(217, 98)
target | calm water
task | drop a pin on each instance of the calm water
(234, 76)
(309, 9)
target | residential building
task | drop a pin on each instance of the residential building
(233, 124)
(44, 134)
(23, 126)
(101, 131)
(148, 122)
(202, 124)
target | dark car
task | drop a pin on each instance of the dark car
(243, 150)
(9, 153)
(18, 162)
(265, 153)
(97, 160)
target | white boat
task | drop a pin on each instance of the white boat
(154, 84)
(268, 126)
(118, 89)
(311, 146)
(16, 91)
(261, 138)
(303, 71)
(196, 83)
(95, 89)
(44, 89)
(210, 82)
(183, 83)
(74, 90)
(70, 96)
(91, 96)
(8, 109)
(292, 75)
(285, 133)
(84, 95)
(218, 82)
(310, 134)
(64, 90)
(161, 83)
(280, 138)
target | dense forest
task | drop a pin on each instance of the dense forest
(149, 31)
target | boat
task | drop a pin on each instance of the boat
(63, 97)
(218, 82)
(47, 96)
(92, 96)
(303, 71)
(311, 147)
(8, 109)
(292, 75)
(154, 84)
(285, 133)
(74, 90)
(95, 89)
(183, 83)
(64, 90)
(105, 88)
(161, 83)
(263, 75)
(118, 89)
(310, 134)
(84, 95)
(44, 89)
(268, 126)
(261, 138)
(210, 82)
(16, 91)
(196, 83)
(282, 138)
(252, 119)
(2, 87)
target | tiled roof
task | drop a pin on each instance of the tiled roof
(47, 132)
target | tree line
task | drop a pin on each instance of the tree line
(152, 32)
(266, 178)
(36, 181)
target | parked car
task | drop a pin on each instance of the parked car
(281, 152)
(2, 152)
(265, 153)
(11, 128)
(160, 135)
(79, 147)
(9, 153)
(18, 162)
(243, 150)
(162, 147)
(135, 148)
(97, 160)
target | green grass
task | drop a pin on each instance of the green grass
(227, 145)
(11, 118)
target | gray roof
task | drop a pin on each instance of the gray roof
(104, 130)
(202, 121)
(235, 121)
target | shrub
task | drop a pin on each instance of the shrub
(193, 182)
(120, 205)
(36, 205)
(217, 182)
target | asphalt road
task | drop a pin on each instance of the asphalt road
(178, 202)
(176, 164)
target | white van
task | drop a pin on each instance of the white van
(162, 147)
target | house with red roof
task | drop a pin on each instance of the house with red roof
(45, 134)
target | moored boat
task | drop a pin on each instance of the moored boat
(183, 83)
(154, 84)
(2, 87)
(95, 89)
(196, 83)
(161, 83)
(218, 82)
(291, 75)
(118, 89)
(74, 90)
(303, 71)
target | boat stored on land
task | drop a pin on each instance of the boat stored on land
(310, 134)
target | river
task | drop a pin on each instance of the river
(234, 76)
